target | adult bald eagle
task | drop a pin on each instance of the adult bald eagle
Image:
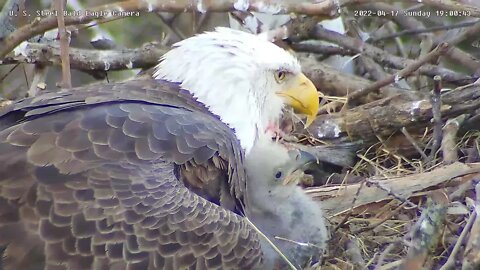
(146, 174)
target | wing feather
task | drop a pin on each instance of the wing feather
(100, 186)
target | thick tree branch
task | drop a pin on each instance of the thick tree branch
(386, 116)
(338, 199)
(90, 60)
(122, 9)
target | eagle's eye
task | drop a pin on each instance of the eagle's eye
(280, 76)
(278, 175)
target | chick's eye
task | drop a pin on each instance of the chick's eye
(280, 76)
(278, 175)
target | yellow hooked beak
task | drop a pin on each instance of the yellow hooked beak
(302, 96)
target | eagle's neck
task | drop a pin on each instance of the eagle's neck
(236, 105)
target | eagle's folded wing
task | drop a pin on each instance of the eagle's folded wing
(103, 183)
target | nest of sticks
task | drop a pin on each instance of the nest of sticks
(408, 200)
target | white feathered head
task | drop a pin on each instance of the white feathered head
(243, 78)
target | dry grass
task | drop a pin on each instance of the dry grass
(386, 234)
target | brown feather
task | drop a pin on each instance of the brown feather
(133, 175)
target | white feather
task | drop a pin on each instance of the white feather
(227, 69)
(281, 210)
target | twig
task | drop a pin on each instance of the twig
(64, 43)
(436, 102)
(426, 42)
(468, 33)
(290, 264)
(321, 49)
(451, 5)
(333, 82)
(414, 144)
(471, 259)
(295, 29)
(25, 75)
(39, 74)
(248, 21)
(410, 32)
(450, 263)
(405, 22)
(390, 192)
(341, 154)
(355, 254)
(200, 22)
(412, 24)
(440, 4)
(38, 26)
(449, 141)
(391, 28)
(173, 29)
(387, 217)
(354, 200)
(9, 72)
(382, 256)
(375, 71)
(412, 67)
(385, 58)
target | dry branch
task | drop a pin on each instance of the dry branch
(439, 4)
(426, 232)
(451, 261)
(387, 116)
(407, 71)
(415, 26)
(333, 82)
(388, 59)
(414, 143)
(449, 140)
(418, 31)
(38, 80)
(406, 22)
(338, 199)
(393, 109)
(465, 34)
(472, 251)
(327, 79)
(436, 101)
(90, 60)
(464, 59)
(64, 40)
(121, 9)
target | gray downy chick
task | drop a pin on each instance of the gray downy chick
(281, 209)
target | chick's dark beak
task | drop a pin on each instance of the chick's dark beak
(299, 162)
(302, 158)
